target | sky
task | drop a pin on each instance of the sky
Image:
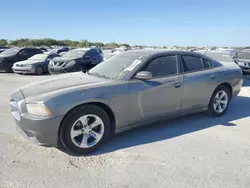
(141, 22)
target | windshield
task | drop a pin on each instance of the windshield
(10, 52)
(39, 57)
(220, 57)
(74, 53)
(116, 67)
(243, 55)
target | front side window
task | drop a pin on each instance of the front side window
(162, 66)
(23, 52)
(191, 63)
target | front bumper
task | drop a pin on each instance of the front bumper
(39, 130)
(24, 69)
(59, 70)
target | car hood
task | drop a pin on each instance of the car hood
(28, 62)
(59, 82)
(63, 59)
(6, 56)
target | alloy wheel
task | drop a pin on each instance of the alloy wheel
(39, 70)
(220, 101)
(87, 131)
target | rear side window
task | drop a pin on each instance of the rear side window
(191, 63)
(207, 64)
(162, 66)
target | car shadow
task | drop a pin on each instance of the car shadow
(163, 130)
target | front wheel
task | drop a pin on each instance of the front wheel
(39, 70)
(85, 129)
(219, 101)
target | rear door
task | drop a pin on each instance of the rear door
(159, 96)
(199, 80)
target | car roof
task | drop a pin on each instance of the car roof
(153, 52)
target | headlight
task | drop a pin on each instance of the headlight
(70, 63)
(39, 109)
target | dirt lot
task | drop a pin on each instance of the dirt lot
(192, 151)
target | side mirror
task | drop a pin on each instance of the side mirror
(144, 75)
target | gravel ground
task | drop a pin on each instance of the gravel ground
(192, 151)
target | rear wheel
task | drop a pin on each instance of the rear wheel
(39, 70)
(85, 129)
(219, 101)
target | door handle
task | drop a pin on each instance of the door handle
(212, 77)
(177, 85)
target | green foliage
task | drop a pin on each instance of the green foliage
(112, 45)
(3, 42)
(52, 42)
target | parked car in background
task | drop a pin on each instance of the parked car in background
(43, 49)
(12, 55)
(221, 57)
(75, 60)
(60, 50)
(37, 64)
(2, 48)
(62, 53)
(242, 58)
(82, 110)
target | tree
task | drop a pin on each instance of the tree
(124, 44)
(112, 45)
(53, 42)
(3, 42)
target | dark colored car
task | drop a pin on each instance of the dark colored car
(60, 50)
(243, 60)
(2, 48)
(43, 49)
(37, 64)
(75, 60)
(12, 55)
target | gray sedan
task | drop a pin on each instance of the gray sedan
(37, 64)
(82, 110)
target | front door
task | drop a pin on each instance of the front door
(159, 96)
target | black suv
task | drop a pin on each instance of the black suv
(12, 55)
(76, 60)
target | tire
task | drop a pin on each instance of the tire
(72, 125)
(39, 70)
(9, 69)
(215, 102)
